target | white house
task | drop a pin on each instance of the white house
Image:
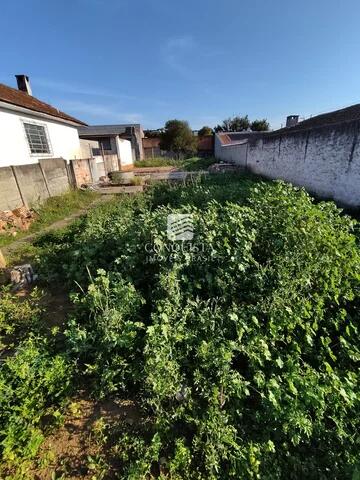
(110, 146)
(31, 129)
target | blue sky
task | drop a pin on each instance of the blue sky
(116, 61)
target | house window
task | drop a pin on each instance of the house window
(105, 143)
(37, 138)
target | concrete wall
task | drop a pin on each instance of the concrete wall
(111, 163)
(32, 184)
(236, 154)
(9, 194)
(14, 148)
(56, 175)
(125, 153)
(324, 160)
(86, 147)
(137, 145)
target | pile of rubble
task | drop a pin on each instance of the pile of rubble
(223, 167)
(12, 221)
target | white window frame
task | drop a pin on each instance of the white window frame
(40, 124)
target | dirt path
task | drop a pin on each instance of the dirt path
(64, 222)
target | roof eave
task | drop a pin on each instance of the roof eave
(30, 111)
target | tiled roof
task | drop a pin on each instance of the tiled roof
(21, 99)
(224, 138)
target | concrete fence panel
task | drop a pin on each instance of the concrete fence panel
(31, 183)
(10, 197)
(55, 174)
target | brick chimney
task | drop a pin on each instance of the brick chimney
(292, 120)
(23, 84)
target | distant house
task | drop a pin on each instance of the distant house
(31, 129)
(121, 144)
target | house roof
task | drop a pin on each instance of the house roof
(22, 99)
(348, 114)
(106, 130)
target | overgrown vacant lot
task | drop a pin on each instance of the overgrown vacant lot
(235, 354)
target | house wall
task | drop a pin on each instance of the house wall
(138, 145)
(86, 147)
(14, 149)
(324, 160)
(125, 153)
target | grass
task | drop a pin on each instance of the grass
(52, 210)
(187, 164)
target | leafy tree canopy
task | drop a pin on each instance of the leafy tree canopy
(240, 124)
(152, 133)
(260, 125)
(178, 137)
(205, 131)
(235, 124)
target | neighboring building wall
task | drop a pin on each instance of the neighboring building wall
(206, 145)
(125, 153)
(86, 147)
(14, 148)
(231, 153)
(151, 147)
(325, 160)
(137, 144)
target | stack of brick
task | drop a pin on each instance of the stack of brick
(18, 219)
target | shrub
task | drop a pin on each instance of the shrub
(105, 337)
(18, 316)
(30, 381)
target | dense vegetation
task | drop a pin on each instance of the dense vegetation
(241, 346)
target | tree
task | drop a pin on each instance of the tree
(205, 131)
(152, 133)
(235, 124)
(260, 125)
(178, 138)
